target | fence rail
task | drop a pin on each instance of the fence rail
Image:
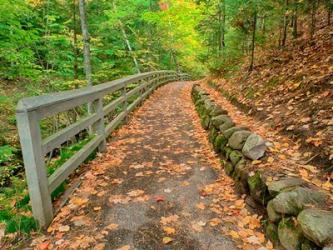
(30, 112)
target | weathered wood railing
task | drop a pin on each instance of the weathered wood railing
(30, 112)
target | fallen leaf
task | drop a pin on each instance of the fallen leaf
(169, 219)
(112, 226)
(201, 206)
(167, 240)
(169, 230)
(64, 228)
(126, 247)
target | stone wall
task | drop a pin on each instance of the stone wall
(297, 214)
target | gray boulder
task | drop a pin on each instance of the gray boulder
(254, 147)
(237, 140)
(292, 202)
(228, 133)
(277, 187)
(317, 225)
(290, 235)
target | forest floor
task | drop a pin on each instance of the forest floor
(292, 90)
(158, 186)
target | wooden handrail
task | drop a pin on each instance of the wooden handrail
(30, 111)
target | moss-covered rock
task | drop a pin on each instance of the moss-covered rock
(217, 121)
(226, 125)
(217, 143)
(212, 134)
(237, 140)
(290, 235)
(271, 231)
(292, 202)
(317, 225)
(229, 132)
(223, 144)
(228, 168)
(226, 152)
(309, 245)
(258, 188)
(240, 175)
(205, 120)
(273, 216)
(235, 156)
(277, 187)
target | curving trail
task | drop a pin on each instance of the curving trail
(158, 186)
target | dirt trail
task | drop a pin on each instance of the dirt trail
(156, 187)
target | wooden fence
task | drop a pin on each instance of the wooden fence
(30, 112)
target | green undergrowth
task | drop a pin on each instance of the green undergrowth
(15, 209)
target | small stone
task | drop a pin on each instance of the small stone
(277, 187)
(235, 156)
(290, 236)
(237, 140)
(228, 133)
(292, 202)
(217, 143)
(254, 147)
(309, 245)
(272, 214)
(317, 225)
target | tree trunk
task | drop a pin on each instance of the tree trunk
(285, 25)
(328, 17)
(295, 23)
(253, 41)
(313, 19)
(75, 48)
(127, 42)
(221, 25)
(86, 43)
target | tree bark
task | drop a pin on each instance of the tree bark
(221, 25)
(313, 19)
(295, 22)
(253, 41)
(86, 43)
(75, 48)
(285, 25)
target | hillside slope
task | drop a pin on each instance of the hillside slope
(292, 89)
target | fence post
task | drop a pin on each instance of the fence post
(99, 127)
(34, 163)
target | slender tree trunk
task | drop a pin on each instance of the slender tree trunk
(86, 43)
(75, 48)
(253, 41)
(329, 12)
(127, 42)
(222, 25)
(285, 25)
(313, 19)
(295, 23)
